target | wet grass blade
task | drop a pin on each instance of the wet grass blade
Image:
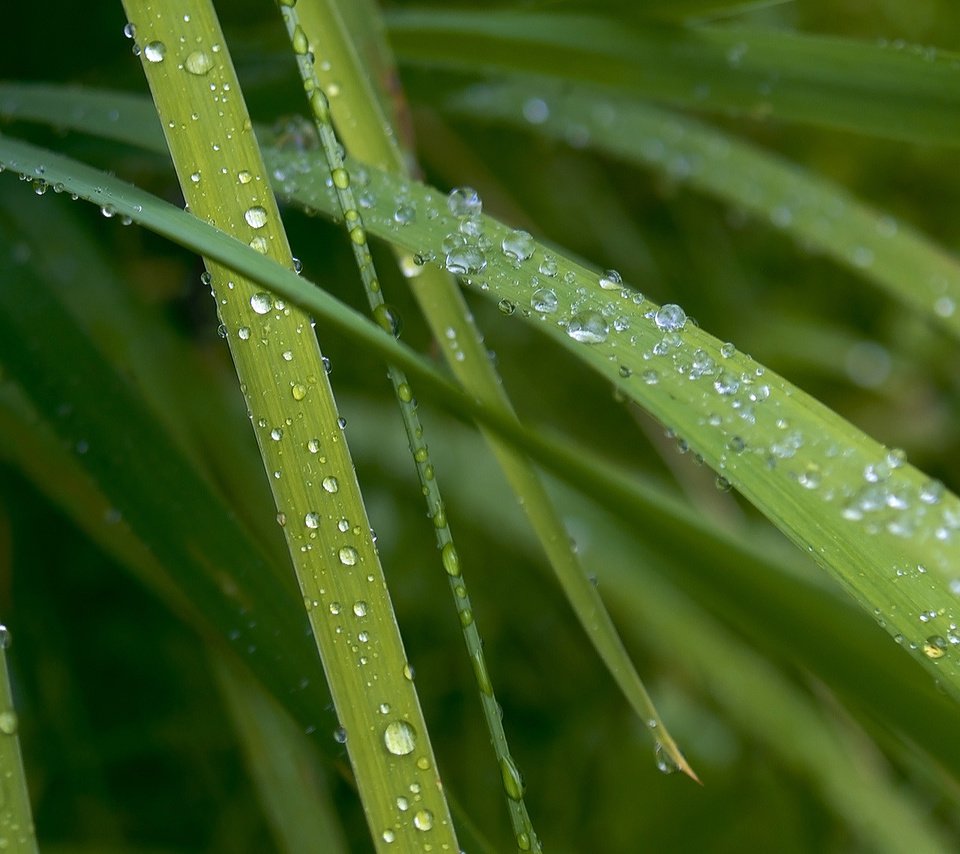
(372, 134)
(15, 816)
(886, 91)
(297, 425)
(883, 529)
(814, 211)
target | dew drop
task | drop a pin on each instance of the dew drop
(512, 779)
(312, 520)
(464, 202)
(298, 391)
(518, 245)
(389, 836)
(154, 51)
(360, 608)
(330, 484)
(611, 281)
(400, 738)
(198, 63)
(544, 300)
(347, 555)
(451, 560)
(423, 820)
(340, 735)
(588, 327)
(4, 637)
(670, 318)
(935, 647)
(261, 302)
(465, 260)
(665, 764)
(256, 216)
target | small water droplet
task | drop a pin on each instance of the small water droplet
(312, 520)
(512, 779)
(400, 738)
(665, 763)
(389, 836)
(340, 735)
(347, 555)
(330, 484)
(935, 647)
(8, 722)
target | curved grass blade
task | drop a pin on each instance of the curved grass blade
(809, 471)
(371, 135)
(894, 256)
(886, 91)
(278, 362)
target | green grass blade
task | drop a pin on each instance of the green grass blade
(783, 450)
(814, 211)
(886, 91)
(278, 362)
(16, 822)
(370, 135)
(348, 209)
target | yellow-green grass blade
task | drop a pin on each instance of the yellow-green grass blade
(814, 211)
(802, 465)
(16, 821)
(334, 33)
(886, 91)
(221, 173)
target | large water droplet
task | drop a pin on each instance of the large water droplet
(611, 281)
(451, 560)
(423, 820)
(588, 327)
(518, 245)
(465, 260)
(512, 779)
(670, 318)
(330, 484)
(464, 201)
(154, 51)
(544, 300)
(261, 302)
(256, 216)
(198, 63)
(347, 555)
(400, 738)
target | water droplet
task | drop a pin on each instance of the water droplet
(389, 836)
(727, 383)
(4, 637)
(506, 307)
(198, 63)
(8, 722)
(931, 492)
(360, 608)
(464, 201)
(588, 327)
(130, 30)
(400, 738)
(512, 779)
(548, 267)
(466, 260)
(154, 51)
(340, 735)
(670, 318)
(261, 302)
(256, 216)
(665, 764)
(544, 300)
(935, 647)
(611, 281)
(312, 520)
(388, 319)
(313, 446)
(347, 555)
(536, 111)
(423, 820)
(810, 477)
(518, 245)
(727, 350)
(404, 215)
(330, 484)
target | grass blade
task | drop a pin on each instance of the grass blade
(886, 91)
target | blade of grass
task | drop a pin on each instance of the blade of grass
(802, 465)
(887, 91)
(892, 255)
(280, 368)
(16, 820)
(282, 764)
(369, 135)
(523, 830)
